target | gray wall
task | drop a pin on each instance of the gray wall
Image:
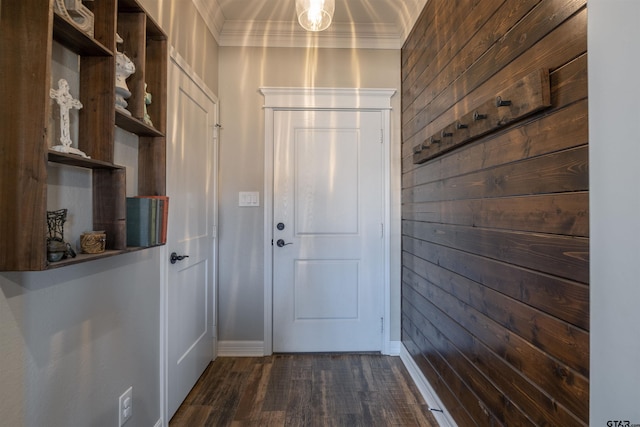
(242, 72)
(189, 35)
(614, 111)
(72, 340)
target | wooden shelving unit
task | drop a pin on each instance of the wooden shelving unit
(29, 28)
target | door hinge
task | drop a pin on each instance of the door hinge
(382, 325)
(381, 136)
(381, 230)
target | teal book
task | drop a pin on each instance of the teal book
(153, 237)
(138, 221)
(159, 221)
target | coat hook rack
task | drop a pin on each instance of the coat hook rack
(477, 116)
(528, 95)
(502, 102)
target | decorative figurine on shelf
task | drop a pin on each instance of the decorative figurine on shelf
(65, 102)
(124, 68)
(147, 101)
(57, 248)
(76, 12)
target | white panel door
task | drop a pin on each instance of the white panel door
(327, 231)
(191, 187)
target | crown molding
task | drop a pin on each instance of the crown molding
(290, 34)
(211, 13)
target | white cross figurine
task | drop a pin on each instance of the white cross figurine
(65, 102)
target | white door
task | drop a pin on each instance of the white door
(327, 231)
(191, 187)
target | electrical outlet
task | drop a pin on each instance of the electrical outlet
(125, 406)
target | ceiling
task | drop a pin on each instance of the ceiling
(367, 24)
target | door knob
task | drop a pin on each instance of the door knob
(175, 257)
(281, 243)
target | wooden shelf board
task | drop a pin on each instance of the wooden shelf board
(129, 6)
(80, 258)
(136, 126)
(141, 248)
(79, 161)
(154, 30)
(72, 37)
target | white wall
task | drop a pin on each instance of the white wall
(614, 152)
(242, 72)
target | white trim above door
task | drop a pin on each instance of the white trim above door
(349, 99)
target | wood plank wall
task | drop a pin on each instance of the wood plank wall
(495, 298)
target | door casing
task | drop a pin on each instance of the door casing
(338, 99)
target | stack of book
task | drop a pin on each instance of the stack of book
(147, 220)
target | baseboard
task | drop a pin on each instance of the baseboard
(393, 348)
(240, 348)
(158, 423)
(256, 348)
(428, 393)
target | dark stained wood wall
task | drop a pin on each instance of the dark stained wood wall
(495, 297)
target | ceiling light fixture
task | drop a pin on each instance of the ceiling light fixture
(315, 15)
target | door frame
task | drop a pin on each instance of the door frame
(177, 60)
(324, 99)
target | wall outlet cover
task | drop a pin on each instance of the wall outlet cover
(125, 406)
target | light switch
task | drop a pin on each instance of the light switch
(249, 198)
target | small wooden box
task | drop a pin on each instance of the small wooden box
(93, 242)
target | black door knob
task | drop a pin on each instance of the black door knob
(281, 243)
(175, 257)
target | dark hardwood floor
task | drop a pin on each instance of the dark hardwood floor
(305, 390)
